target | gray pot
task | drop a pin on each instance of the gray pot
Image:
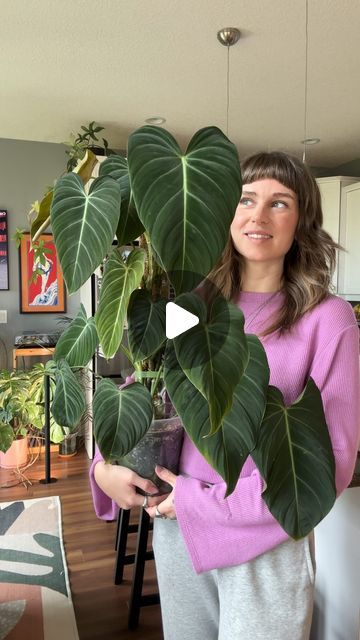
(161, 445)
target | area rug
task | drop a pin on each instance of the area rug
(35, 597)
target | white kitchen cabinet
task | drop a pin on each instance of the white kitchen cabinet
(337, 585)
(349, 267)
(332, 191)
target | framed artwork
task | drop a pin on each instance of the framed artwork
(41, 281)
(4, 251)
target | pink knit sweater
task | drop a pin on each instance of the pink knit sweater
(324, 344)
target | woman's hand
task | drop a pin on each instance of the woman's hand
(167, 508)
(120, 483)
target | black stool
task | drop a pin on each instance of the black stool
(141, 554)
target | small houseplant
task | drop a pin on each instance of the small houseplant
(181, 206)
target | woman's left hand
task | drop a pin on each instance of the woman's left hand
(167, 507)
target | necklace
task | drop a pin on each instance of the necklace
(254, 314)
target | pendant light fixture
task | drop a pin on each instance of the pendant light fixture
(228, 37)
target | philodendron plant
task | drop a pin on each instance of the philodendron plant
(181, 206)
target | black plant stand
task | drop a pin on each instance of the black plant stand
(48, 477)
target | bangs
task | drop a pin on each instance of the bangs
(275, 166)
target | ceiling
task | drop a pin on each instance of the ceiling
(64, 64)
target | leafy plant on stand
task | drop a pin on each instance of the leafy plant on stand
(82, 150)
(83, 140)
(19, 412)
(181, 205)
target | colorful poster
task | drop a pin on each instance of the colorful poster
(41, 281)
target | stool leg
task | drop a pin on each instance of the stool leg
(139, 567)
(121, 540)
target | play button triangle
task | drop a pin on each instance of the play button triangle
(178, 320)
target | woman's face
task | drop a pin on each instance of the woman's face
(265, 221)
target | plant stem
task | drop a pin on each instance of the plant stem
(155, 382)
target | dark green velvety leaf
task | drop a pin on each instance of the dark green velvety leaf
(121, 417)
(84, 225)
(180, 197)
(119, 281)
(226, 450)
(214, 353)
(295, 457)
(129, 226)
(69, 402)
(77, 344)
(146, 324)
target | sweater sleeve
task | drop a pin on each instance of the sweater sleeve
(222, 533)
(105, 507)
(336, 372)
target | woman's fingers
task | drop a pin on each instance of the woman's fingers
(153, 501)
(166, 475)
(146, 485)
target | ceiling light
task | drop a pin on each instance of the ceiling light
(310, 141)
(228, 36)
(156, 120)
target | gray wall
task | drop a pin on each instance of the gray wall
(26, 169)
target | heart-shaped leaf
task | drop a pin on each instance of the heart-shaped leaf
(84, 225)
(146, 324)
(226, 450)
(69, 403)
(84, 169)
(119, 281)
(214, 353)
(121, 417)
(78, 342)
(295, 457)
(180, 197)
(129, 227)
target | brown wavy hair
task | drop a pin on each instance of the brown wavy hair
(309, 263)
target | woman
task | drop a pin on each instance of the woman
(226, 569)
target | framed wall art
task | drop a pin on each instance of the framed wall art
(4, 251)
(41, 281)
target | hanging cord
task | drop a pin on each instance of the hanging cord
(227, 90)
(306, 78)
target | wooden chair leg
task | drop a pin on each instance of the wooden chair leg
(137, 600)
(120, 545)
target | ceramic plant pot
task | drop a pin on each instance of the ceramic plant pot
(161, 445)
(16, 455)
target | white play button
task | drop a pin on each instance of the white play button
(178, 320)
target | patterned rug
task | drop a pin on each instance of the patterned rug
(35, 597)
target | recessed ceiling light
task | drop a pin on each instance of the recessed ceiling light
(310, 141)
(156, 120)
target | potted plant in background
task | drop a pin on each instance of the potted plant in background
(86, 139)
(181, 205)
(19, 414)
(66, 438)
(82, 149)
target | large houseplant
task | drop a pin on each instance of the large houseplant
(181, 205)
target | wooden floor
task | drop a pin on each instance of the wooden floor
(101, 607)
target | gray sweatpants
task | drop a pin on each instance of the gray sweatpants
(268, 598)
